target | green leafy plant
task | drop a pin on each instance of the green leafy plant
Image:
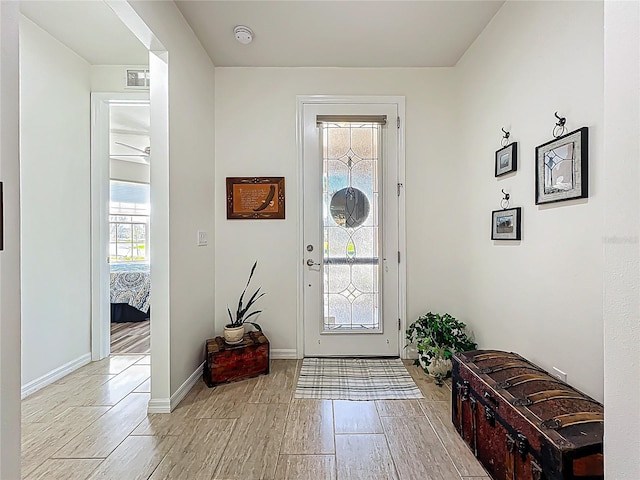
(438, 337)
(242, 314)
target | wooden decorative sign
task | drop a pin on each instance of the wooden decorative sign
(255, 197)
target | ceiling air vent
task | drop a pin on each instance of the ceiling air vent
(137, 78)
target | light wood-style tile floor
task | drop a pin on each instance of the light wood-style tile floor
(93, 425)
(131, 337)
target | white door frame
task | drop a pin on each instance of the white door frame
(160, 272)
(100, 313)
(10, 309)
(303, 100)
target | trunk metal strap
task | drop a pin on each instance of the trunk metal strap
(508, 365)
(526, 378)
(562, 421)
(543, 396)
(558, 394)
(493, 355)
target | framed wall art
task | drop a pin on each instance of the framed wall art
(506, 224)
(507, 159)
(255, 197)
(562, 168)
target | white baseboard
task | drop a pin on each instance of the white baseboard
(159, 405)
(186, 387)
(53, 375)
(284, 354)
(167, 405)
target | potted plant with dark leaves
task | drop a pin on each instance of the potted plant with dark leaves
(234, 331)
(437, 337)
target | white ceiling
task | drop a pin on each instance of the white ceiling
(129, 124)
(89, 28)
(344, 33)
(288, 33)
(130, 119)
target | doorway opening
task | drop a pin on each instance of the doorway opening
(120, 223)
(129, 242)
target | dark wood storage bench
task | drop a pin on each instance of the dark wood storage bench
(229, 363)
(522, 423)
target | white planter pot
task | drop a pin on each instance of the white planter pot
(438, 366)
(233, 335)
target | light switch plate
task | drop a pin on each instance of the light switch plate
(202, 239)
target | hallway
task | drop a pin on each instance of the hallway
(93, 424)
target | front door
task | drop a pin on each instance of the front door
(350, 233)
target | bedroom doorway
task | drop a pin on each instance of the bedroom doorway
(121, 237)
(129, 233)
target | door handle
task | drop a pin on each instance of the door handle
(311, 263)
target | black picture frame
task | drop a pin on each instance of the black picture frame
(506, 160)
(506, 224)
(562, 168)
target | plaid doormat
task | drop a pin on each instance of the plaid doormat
(355, 379)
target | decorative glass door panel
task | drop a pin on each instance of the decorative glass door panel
(351, 227)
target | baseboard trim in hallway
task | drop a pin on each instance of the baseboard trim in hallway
(159, 405)
(167, 405)
(186, 387)
(55, 374)
(284, 354)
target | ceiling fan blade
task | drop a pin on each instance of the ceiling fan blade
(146, 151)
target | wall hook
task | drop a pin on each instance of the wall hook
(504, 203)
(505, 137)
(559, 128)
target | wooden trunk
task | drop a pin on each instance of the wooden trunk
(229, 363)
(522, 423)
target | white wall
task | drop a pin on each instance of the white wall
(10, 256)
(541, 297)
(55, 89)
(622, 256)
(112, 78)
(256, 135)
(191, 187)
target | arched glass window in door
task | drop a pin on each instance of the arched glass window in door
(351, 225)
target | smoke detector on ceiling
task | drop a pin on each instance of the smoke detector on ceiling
(243, 34)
